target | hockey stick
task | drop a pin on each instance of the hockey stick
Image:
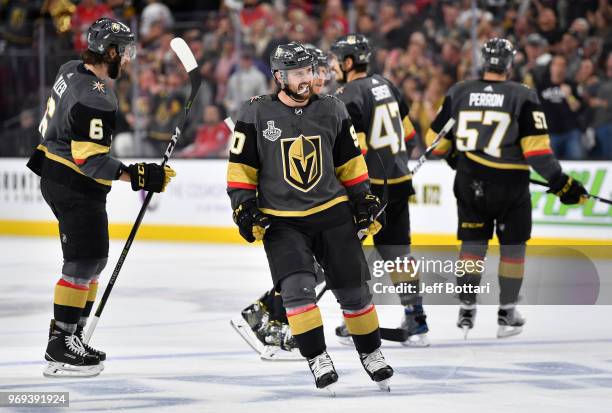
(604, 200)
(423, 158)
(188, 61)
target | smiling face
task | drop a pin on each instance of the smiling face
(299, 83)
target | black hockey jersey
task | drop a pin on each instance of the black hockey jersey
(296, 161)
(500, 131)
(77, 130)
(380, 117)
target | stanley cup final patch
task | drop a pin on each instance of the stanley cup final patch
(272, 133)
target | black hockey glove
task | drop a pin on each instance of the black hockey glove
(366, 207)
(150, 176)
(252, 223)
(569, 190)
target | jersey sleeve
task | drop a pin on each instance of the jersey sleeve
(443, 148)
(356, 110)
(243, 166)
(92, 123)
(349, 163)
(534, 139)
(404, 110)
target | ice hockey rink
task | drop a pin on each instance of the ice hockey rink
(171, 348)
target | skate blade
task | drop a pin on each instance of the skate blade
(244, 331)
(384, 385)
(417, 340)
(62, 370)
(345, 341)
(508, 331)
(275, 353)
(330, 389)
(465, 330)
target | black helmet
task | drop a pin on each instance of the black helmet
(320, 57)
(290, 56)
(498, 55)
(106, 32)
(355, 46)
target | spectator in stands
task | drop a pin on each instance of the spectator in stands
(599, 97)
(561, 105)
(547, 23)
(155, 19)
(210, 137)
(245, 83)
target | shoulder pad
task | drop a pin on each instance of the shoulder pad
(339, 91)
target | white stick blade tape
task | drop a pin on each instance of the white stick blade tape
(184, 53)
(229, 123)
(449, 124)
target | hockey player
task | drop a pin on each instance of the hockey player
(500, 133)
(76, 173)
(297, 181)
(380, 117)
(266, 317)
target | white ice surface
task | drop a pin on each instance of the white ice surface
(170, 346)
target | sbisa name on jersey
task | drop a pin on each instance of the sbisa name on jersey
(494, 100)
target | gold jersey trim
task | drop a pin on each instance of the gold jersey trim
(83, 150)
(70, 165)
(496, 165)
(390, 181)
(239, 172)
(310, 211)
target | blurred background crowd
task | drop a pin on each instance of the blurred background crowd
(423, 46)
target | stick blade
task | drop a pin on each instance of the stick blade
(182, 51)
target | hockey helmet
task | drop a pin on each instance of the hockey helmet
(355, 46)
(106, 32)
(320, 57)
(498, 55)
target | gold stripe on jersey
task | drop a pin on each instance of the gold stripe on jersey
(363, 144)
(83, 150)
(535, 143)
(239, 172)
(497, 165)
(430, 136)
(391, 181)
(408, 127)
(310, 211)
(69, 164)
(355, 168)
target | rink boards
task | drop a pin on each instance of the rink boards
(196, 208)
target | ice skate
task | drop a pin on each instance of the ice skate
(324, 373)
(279, 344)
(99, 353)
(377, 368)
(67, 357)
(415, 323)
(509, 320)
(467, 313)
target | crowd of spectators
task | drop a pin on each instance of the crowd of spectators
(423, 46)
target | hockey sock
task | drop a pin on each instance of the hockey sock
(91, 297)
(511, 271)
(363, 327)
(470, 260)
(307, 329)
(68, 303)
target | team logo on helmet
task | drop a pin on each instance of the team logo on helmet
(115, 27)
(302, 161)
(272, 133)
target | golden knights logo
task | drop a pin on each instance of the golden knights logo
(302, 161)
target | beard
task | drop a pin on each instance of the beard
(114, 68)
(302, 93)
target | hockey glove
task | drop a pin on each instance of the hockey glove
(569, 190)
(252, 223)
(150, 176)
(366, 207)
